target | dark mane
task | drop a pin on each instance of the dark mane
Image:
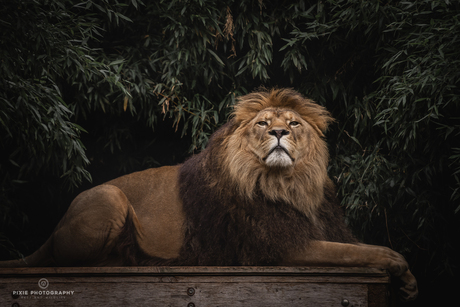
(231, 221)
(223, 228)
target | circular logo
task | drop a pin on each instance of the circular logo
(43, 283)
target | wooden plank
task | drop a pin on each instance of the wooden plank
(79, 293)
(211, 286)
(197, 270)
(379, 295)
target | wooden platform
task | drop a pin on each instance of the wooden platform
(194, 286)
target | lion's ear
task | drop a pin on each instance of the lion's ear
(315, 115)
(322, 122)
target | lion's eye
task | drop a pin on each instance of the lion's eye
(294, 123)
(262, 123)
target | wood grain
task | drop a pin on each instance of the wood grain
(211, 286)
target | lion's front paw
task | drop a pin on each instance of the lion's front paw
(398, 267)
(390, 260)
(408, 291)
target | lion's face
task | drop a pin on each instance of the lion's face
(278, 137)
(274, 147)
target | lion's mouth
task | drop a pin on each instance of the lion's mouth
(279, 148)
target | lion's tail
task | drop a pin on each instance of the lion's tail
(41, 257)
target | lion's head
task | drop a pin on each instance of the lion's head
(277, 147)
(260, 187)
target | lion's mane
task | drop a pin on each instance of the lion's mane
(239, 212)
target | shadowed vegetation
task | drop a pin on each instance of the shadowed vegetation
(96, 89)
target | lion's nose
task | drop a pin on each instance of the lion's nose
(278, 133)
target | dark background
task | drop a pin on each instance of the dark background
(91, 91)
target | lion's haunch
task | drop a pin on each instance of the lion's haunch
(258, 194)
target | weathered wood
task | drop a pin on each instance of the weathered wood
(200, 286)
(379, 295)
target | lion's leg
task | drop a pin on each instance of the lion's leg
(323, 253)
(89, 232)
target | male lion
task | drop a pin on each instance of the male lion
(259, 194)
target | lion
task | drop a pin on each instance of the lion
(258, 194)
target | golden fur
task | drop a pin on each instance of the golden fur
(259, 194)
(301, 185)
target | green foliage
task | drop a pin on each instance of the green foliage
(390, 75)
(388, 71)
